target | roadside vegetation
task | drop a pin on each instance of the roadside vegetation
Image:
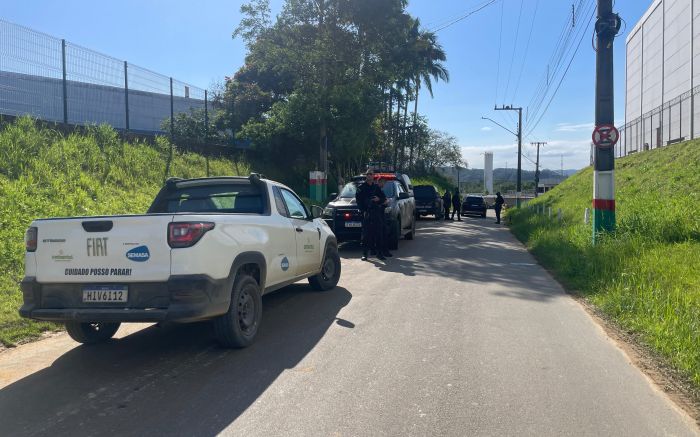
(46, 174)
(645, 276)
(346, 76)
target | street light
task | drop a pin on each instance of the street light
(499, 124)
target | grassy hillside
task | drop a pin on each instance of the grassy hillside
(46, 174)
(647, 275)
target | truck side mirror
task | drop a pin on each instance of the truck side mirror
(316, 211)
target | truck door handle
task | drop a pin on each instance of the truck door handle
(299, 230)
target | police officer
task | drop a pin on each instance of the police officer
(457, 205)
(369, 199)
(498, 206)
(382, 246)
(446, 202)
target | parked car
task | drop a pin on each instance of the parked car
(207, 249)
(345, 219)
(428, 201)
(474, 204)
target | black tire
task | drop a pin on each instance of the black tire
(238, 327)
(411, 234)
(91, 333)
(483, 215)
(329, 276)
(394, 236)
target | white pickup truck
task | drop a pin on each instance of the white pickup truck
(207, 249)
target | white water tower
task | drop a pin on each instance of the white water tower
(488, 172)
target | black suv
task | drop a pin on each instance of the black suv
(474, 204)
(345, 219)
(428, 201)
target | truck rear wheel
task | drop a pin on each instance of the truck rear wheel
(91, 333)
(329, 275)
(238, 327)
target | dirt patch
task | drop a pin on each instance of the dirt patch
(677, 386)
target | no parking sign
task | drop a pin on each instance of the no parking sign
(605, 135)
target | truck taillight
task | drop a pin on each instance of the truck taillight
(31, 238)
(187, 234)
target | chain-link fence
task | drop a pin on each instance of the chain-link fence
(54, 80)
(675, 121)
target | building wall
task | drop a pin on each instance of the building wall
(662, 68)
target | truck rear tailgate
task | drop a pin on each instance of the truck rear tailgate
(119, 249)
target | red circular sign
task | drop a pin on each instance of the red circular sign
(605, 135)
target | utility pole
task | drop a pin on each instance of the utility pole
(537, 165)
(605, 134)
(519, 188)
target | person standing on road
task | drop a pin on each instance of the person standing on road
(498, 206)
(457, 205)
(383, 243)
(446, 202)
(369, 197)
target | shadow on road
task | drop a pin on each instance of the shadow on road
(171, 380)
(475, 250)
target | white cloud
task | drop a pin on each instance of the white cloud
(569, 127)
(486, 128)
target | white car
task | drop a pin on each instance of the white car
(207, 249)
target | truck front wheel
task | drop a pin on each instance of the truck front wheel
(238, 327)
(329, 276)
(91, 333)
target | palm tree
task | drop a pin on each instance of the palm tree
(430, 57)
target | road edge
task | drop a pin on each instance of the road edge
(676, 386)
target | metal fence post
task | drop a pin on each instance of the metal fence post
(206, 117)
(65, 85)
(172, 111)
(126, 94)
(206, 130)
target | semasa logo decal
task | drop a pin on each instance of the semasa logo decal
(285, 264)
(139, 254)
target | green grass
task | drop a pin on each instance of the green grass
(646, 275)
(46, 174)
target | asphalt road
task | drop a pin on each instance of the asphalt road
(460, 334)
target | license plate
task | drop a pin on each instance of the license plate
(105, 294)
(353, 224)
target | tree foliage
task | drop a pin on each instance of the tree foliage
(335, 73)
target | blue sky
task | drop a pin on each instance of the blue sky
(191, 41)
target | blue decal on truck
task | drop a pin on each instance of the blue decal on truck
(285, 264)
(139, 254)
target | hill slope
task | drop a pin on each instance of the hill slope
(647, 275)
(46, 174)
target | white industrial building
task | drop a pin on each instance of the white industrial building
(488, 172)
(662, 77)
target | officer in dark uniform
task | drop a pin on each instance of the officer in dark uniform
(498, 207)
(446, 202)
(457, 205)
(370, 200)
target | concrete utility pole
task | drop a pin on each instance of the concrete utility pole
(519, 187)
(605, 134)
(537, 165)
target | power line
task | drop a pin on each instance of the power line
(560, 48)
(515, 46)
(500, 40)
(560, 54)
(465, 16)
(527, 48)
(563, 76)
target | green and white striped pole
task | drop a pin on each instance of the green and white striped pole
(605, 134)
